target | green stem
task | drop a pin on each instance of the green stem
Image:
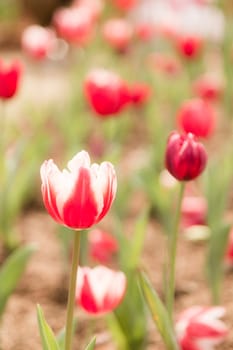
(72, 289)
(172, 247)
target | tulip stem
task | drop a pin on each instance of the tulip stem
(172, 248)
(72, 289)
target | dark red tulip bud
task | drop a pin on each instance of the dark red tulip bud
(185, 157)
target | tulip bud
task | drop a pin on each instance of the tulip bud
(185, 157)
(196, 116)
(118, 33)
(189, 46)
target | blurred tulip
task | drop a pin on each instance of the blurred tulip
(9, 79)
(229, 250)
(197, 116)
(74, 24)
(185, 157)
(165, 63)
(199, 328)
(106, 92)
(189, 46)
(125, 4)
(80, 196)
(38, 42)
(140, 93)
(208, 88)
(100, 290)
(95, 7)
(144, 31)
(193, 211)
(102, 246)
(118, 33)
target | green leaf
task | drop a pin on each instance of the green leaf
(138, 240)
(48, 339)
(91, 345)
(159, 313)
(11, 272)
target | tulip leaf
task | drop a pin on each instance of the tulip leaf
(138, 240)
(91, 345)
(48, 339)
(159, 313)
(11, 272)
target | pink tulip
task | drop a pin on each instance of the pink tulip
(74, 24)
(102, 246)
(106, 92)
(118, 33)
(80, 196)
(95, 7)
(197, 116)
(229, 250)
(9, 79)
(185, 157)
(193, 211)
(100, 290)
(208, 88)
(199, 328)
(38, 42)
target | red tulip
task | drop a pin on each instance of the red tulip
(229, 250)
(102, 246)
(125, 4)
(199, 328)
(106, 92)
(118, 33)
(38, 41)
(140, 93)
(189, 46)
(80, 196)
(196, 116)
(193, 211)
(9, 79)
(100, 290)
(74, 24)
(208, 88)
(185, 157)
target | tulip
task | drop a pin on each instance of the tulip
(193, 211)
(118, 33)
(185, 157)
(38, 41)
(189, 46)
(80, 196)
(199, 328)
(164, 63)
(74, 24)
(100, 290)
(102, 246)
(229, 249)
(95, 7)
(208, 88)
(106, 92)
(198, 117)
(125, 4)
(140, 93)
(9, 79)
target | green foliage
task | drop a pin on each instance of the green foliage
(11, 272)
(159, 313)
(48, 339)
(91, 345)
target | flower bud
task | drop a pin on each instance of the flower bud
(185, 157)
